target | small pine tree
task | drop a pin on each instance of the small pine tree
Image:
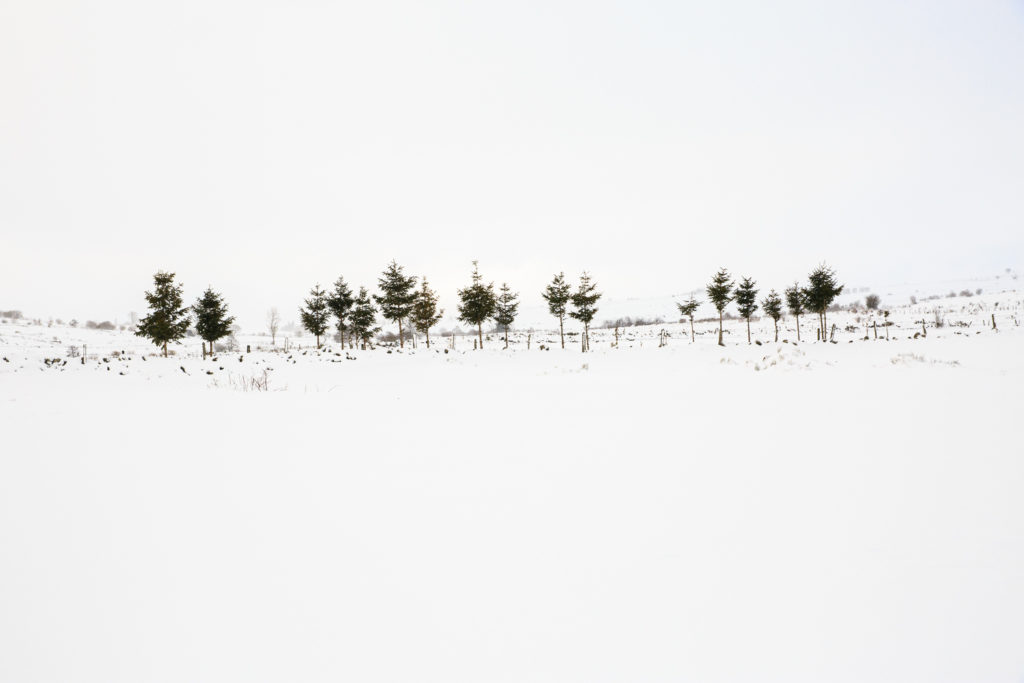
(168, 319)
(558, 294)
(687, 309)
(316, 313)
(506, 308)
(795, 303)
(772, 307)
(720, 294)
(363, 318)
(340, 303)
(425, 313)
(821, 291)
(746, 301)
(583, 302)
(212, 319)
(477, 303)
(398, 294)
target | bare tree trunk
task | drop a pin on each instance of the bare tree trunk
(561, 329)
(776, 331)
(692, 339)
(165, 349)
(874, 328)
(428, 337)
(401, 337)
(720, 343)
(748, 330)
(506, 336)
(480, 333)
(798, 328)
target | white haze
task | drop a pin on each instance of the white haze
(260, 147)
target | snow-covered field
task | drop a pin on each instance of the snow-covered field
(775, 512)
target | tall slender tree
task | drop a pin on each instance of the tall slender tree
(340, 302)
(557, 294)
(795, 303)
(821, 291)
(477, 303)
(316, 313)
(772, 307)
(273, 323)
(212, 319)
(746, 301)
(687, 310)
(505, 308)
(168, 318)
(363, 318)
(425, 313)
(584, 301)
(720, 294)
(398, 294)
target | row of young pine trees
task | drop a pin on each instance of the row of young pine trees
(355, 317)
(821, 290)
(401, 302)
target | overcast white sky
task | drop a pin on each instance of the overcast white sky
(261, 147)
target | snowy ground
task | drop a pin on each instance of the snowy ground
(811, 512)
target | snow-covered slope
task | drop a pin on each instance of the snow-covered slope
(775, 512)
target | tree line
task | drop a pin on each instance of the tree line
(409, 302)
(821, 290)
(354, 317)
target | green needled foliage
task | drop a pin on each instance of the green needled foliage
(316, 313)
(506, 308)
(720, 294)
(398, 294)
(821, 291)
(584, 301)
(687, 309)
(168, 318)
(212, 319)
(746, 301)
(340, 302)
(557, 294)
(363, 318)
(772, 307)
(425, 313)
(477, 303)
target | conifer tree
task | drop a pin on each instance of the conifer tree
(795, 303)
(506, 308)
(340, 302)
(720, 294)
(584, 309)
(821, 291)
(477, 303)
(398, 294)
(425, 313)
(772, 307)
(557, 294)
(212, 319)
(746, 301)
(363, 318)
(687, 309)
(168, 318)
(316, 313)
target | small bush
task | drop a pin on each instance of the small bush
(872, 301)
